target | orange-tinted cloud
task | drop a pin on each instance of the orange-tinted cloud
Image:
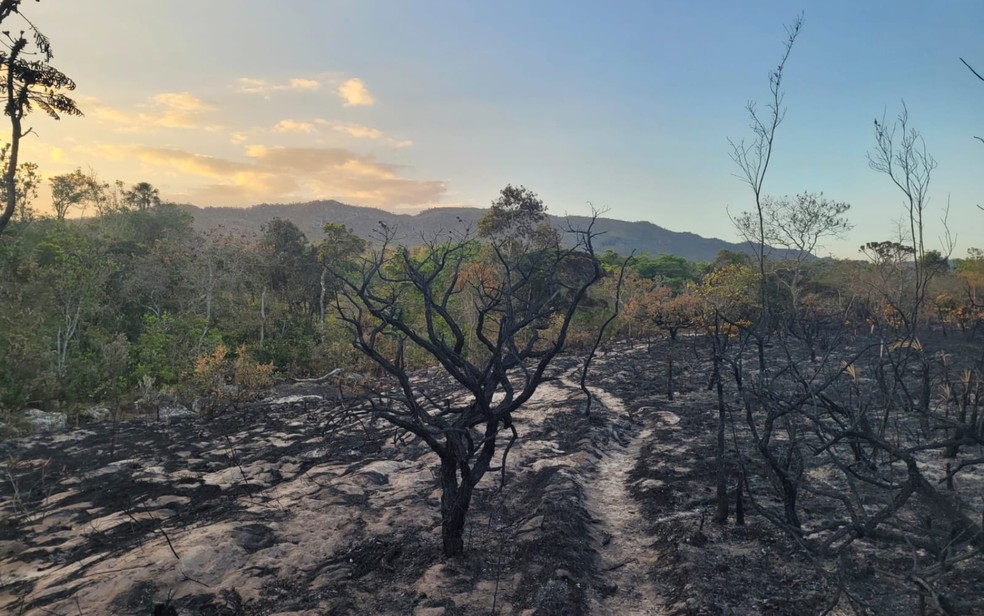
(249, 85)
(283, 174)
(359, 131)
(304, 84)
(352, 130)
(293, 126)
(165, 110)
(355, 94)
(321, 125)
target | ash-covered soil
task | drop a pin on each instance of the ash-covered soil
(276, 510)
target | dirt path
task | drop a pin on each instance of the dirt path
(619, 535)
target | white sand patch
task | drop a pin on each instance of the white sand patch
(626, 561)
(308, 399)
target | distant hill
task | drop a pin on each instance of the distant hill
(618, 235)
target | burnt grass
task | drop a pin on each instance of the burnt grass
(704, 568)
(102, 469)
(755, 568)
(102, 466)
(529, 539)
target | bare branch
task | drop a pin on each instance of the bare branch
(976, 74)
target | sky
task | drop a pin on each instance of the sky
(623, 106)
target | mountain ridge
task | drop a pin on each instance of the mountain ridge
(619, 235)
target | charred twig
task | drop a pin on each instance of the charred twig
(601, 334)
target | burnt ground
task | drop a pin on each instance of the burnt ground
(273, 509)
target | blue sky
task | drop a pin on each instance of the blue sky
(406, 105)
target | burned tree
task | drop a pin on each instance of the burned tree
(872, 451)
(492, 314)
(753, 160)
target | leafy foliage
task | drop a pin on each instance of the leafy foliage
(229, 382)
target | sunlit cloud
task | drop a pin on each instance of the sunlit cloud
(319, 160)
(174, 159)
(293, 126)
(304, 84)
(165, 110)
(355, 93)
(181, 101)
(369, 169)
(349, 129)
(358, 131)
(282, 174)
(256, 151)
(249, 85)
(53, 159)
(352, 130)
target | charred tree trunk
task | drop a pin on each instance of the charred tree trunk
(959, 434)
(669, 365)
(455, 500)
(740, 500)
(721, 514)
(925, 394)
(760, 347)
(789, 494)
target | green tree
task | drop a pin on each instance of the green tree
(518, 213)
(286, 255)
(66, 277)
(214, 267)
(287, 292)
(673, 271)
(337, 251)
(166, 347)
(971, 272)
(72, 190)
(934, 262)
(727, 257)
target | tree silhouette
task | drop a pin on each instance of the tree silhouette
(26, 83)
(142, 196)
